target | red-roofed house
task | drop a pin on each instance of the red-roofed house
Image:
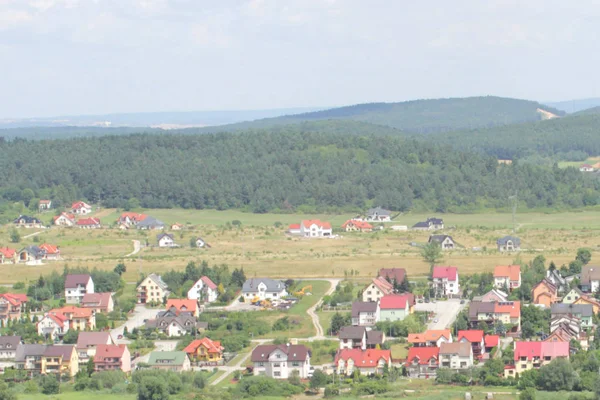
(111, 357)
(128, 219)
(205, 351)
(475, 337)
(394, 307)
(315, 228)
(89, 223)
(509, 312)
(64, 219)
(99, 302)
(294, 229)
(8, 256)
(53, 326)
(507, 276)
(393, 274)
(12, 305)
(79, 319)
(353, 225)
(422, 362)
(81, 208)
(491, 341)
(533, 355)
(586, 168)
(44, 205)
(51, 252)
(367, 362)
(183, 305)
(445, 281)
(378, 288)
(204, 291)
(430, 338)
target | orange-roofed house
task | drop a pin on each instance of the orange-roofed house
(51, 252)
(89, 223)
(491, 341)
(183, 305)
(544, 293)
(53, 326)
(475, 338)
(507, 276)
(78, 318)
(367, 362)
(8, 256)
(112, 357)
(81, 208)
(378, 288)
(509, 312)
(44, 205)
(315, 228)
(422, 362)
(205, 351)
(430, 338)
(64, 219)
(12, 305)
(129, 219)
(353, 225)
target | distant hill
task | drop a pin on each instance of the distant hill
(593, 110)
(573, 106)
(420, 116)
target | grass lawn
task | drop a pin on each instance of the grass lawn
(86, 395)
(399, 351)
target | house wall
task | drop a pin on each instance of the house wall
(126, 360)
(393, 314)
(372, 293)
(571, 297)
(154, 293)
(455, 362)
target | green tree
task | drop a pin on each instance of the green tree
(318, 380)
(120, 269)
(337, 322)
(15, 237)
(584, 256)
(528, 394)
(152, 389)
(432, 254)
(49, 384)
(90, 367)
(558, 375)
(71, 336)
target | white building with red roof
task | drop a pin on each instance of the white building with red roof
(53, 326)
(507, 276)
(64, 219)
(367, 362)
(354, 225)
(89, 223)
(204, 290)
(312, 228)
(12, 305)
(51, 252)
(394, 307)
(422, 362)
(7, 255)
(99, 302)
(378, 288)
(81, 208)
(475, 338)
(445, 281)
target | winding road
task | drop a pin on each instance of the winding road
(313, 315)
(136, 248)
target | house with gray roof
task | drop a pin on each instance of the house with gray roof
(456, 355)
(281, 361)
(446, 242)
(263, 288)
(359, 337)
(8, 347)
(166, 240)
(29, 358)
(584, 312)
(379, 214)
(590, 278)
(175, 325)
(31, 253)
(508, 243)
(150, 223)
(177, 361)
(431, 224)
(365, 313)
(25, 221)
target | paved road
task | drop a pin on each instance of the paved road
(136, 248)
(313, 315)
(445, 312)
(140, 313)
(32, 234)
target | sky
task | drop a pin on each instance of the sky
(73, 57)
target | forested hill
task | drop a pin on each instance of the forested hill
(419, 116)
(593, 110)
(284, 169)
(574, 137)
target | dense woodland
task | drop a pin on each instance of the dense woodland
(286, 169)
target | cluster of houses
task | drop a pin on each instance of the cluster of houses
(30, 254)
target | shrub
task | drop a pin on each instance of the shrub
(528, 394)
(49, 384)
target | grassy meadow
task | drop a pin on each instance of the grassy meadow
(262, 248)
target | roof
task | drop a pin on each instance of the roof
(88, 221)
(429, 336)
(295, 352)
(149, 222)
(45, 201)
(96, 300)
(182, 305)
(421, 225)
(162, 235)
(513, 272)
(109, 351)
(158, 280)
(585, 310)
(9, 342)
(472, 336)
(34, 250)
(590, 273)
(449, 273)
(374, 337)
(492, 295)
(185, 319)
(491, 340)
(59, 319)
(540, 349)
(208, 282)
(549, 285)
(439, 238)
(393, 273)
(363, 358)
(294, 227)
(435, 221)
(133, 216)
(393, 302)
(49, 248)
(508, 307)
(480, 307)
(74, 280)
(63, 351)
(363, 306)
(383, 285)
(273, 285)
(352, 332)
(584, 298)
(64, 214)
(87, 339)
(308, 222)
(422, 354)
(503, 240)
(14, 298)
(7, 252)
(586, 166)
(79, 204)
(463, 349)
(167, 357)
(29, 350)
(358, 224)
(378, 211)
(27, 219)
(210, 345)
(78, 312)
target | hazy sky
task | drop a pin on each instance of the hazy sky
(61, 57)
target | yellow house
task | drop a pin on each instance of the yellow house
(60, 360)
(79, 318)
(152, 290)
(589, 300)
(205, 350)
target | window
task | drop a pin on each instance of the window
(295, 364)
(261, 364)
(276, 365)
(276, 373)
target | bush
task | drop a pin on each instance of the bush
(49, 384)
(528, 394)
(152, 389)
(332, 391)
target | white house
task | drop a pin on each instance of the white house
(64, 219)
(281, 361)
(311, 228)
(456, 355)
(165, 240)
(45, 205)
(152, 290)
(203, 290)
(507, 276)
(379, 214)
(53, 326)
(378, 288)
(263, 288)
(81, 208)
(586, 168)
(367, 362)
(446, 242)
(365, 313)
(445, 281)
(76, 286)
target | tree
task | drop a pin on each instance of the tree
(556, 376)
(528, 394)
(552, 266)
(71, 336)
(5, 393)
(152, 389)
(432, 254)
(338, 321)
(50, 384)
(584, 256)
(90, 367)
(404, 285)
(527, 329)
(318, 380)
(120, 269)
(15, 237)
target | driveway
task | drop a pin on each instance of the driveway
(159, 345)
(135, 320)
(445, 312)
